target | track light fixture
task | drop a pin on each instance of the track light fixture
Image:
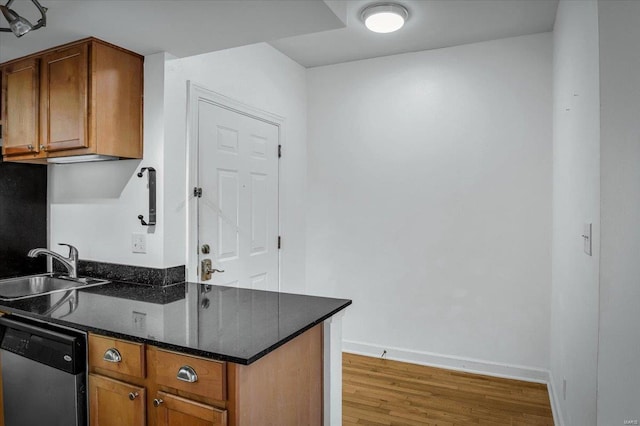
(19, 25)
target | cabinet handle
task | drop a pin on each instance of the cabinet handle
(30, 147)
(157, 402)
(133, 395)
(187, 374)
(112, 355)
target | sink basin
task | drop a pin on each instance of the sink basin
(38, 285)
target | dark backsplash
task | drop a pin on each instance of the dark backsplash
(23, 218)
(132, 274)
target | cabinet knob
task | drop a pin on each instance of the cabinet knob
(157, 402)
(187, 374)
(112, 355)
(30, 147)
(133, 395)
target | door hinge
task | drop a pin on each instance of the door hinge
(279, 151)
(279, 242)
(197, 192)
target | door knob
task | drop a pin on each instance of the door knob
(207, 269)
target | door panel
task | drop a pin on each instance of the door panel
(238, 211)
(259, 214)
(177, 411)
(111, 404)
(21, 99)
(228, 201)
(64, 99)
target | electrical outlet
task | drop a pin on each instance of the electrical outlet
(564, 389)
(140, 322)
(138, 243)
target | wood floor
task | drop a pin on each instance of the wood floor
(383, 392)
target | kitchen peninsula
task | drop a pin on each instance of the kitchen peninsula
(201, 354)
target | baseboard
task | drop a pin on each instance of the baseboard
(489, 368)
(555, 402)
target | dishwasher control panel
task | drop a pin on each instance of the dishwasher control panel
(15, 341)
(61, 351)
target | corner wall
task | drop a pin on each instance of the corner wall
(619, 354)
(576, 200)
(430, 202)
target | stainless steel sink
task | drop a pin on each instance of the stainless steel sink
(38, 285)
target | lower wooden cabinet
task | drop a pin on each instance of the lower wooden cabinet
(176, 411)
(115, 403)
(134, 384)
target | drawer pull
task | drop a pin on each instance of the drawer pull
(112, 355)
(157, 402)
(187, 374)
(133, 395)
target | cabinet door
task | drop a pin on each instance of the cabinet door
(115, 403)
(176, 411)
(64, 101)
(20, 104)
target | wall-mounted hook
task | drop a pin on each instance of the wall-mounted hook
(152, 196)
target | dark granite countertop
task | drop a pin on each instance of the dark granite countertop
(222, 323)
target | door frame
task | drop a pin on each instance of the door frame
(195, 93)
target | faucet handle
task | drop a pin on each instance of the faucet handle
(73, 252)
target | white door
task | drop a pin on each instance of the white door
(238, 206)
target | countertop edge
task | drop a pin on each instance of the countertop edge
(170, 346)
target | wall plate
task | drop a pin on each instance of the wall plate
(586, 237)
(138, 243)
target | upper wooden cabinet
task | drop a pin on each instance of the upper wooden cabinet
(64, 107)
(20, 96)
(79, 99)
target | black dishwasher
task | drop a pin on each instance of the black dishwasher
(43, 374)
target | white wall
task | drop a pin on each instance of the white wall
(430, 200)
(619, 354)
(576, 200)
(95, 206)
(264, 78)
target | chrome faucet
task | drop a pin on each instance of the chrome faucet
(71, 263)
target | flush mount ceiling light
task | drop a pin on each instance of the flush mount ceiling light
(384, 17)
(19, 25)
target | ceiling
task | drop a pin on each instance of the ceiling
(311, 32)
(432, 24)
(180, 27)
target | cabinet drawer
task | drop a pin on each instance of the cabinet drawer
(198, 376)
(117, 356)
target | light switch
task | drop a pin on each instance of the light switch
(586, 237)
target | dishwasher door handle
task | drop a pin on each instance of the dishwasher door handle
(112, 355)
